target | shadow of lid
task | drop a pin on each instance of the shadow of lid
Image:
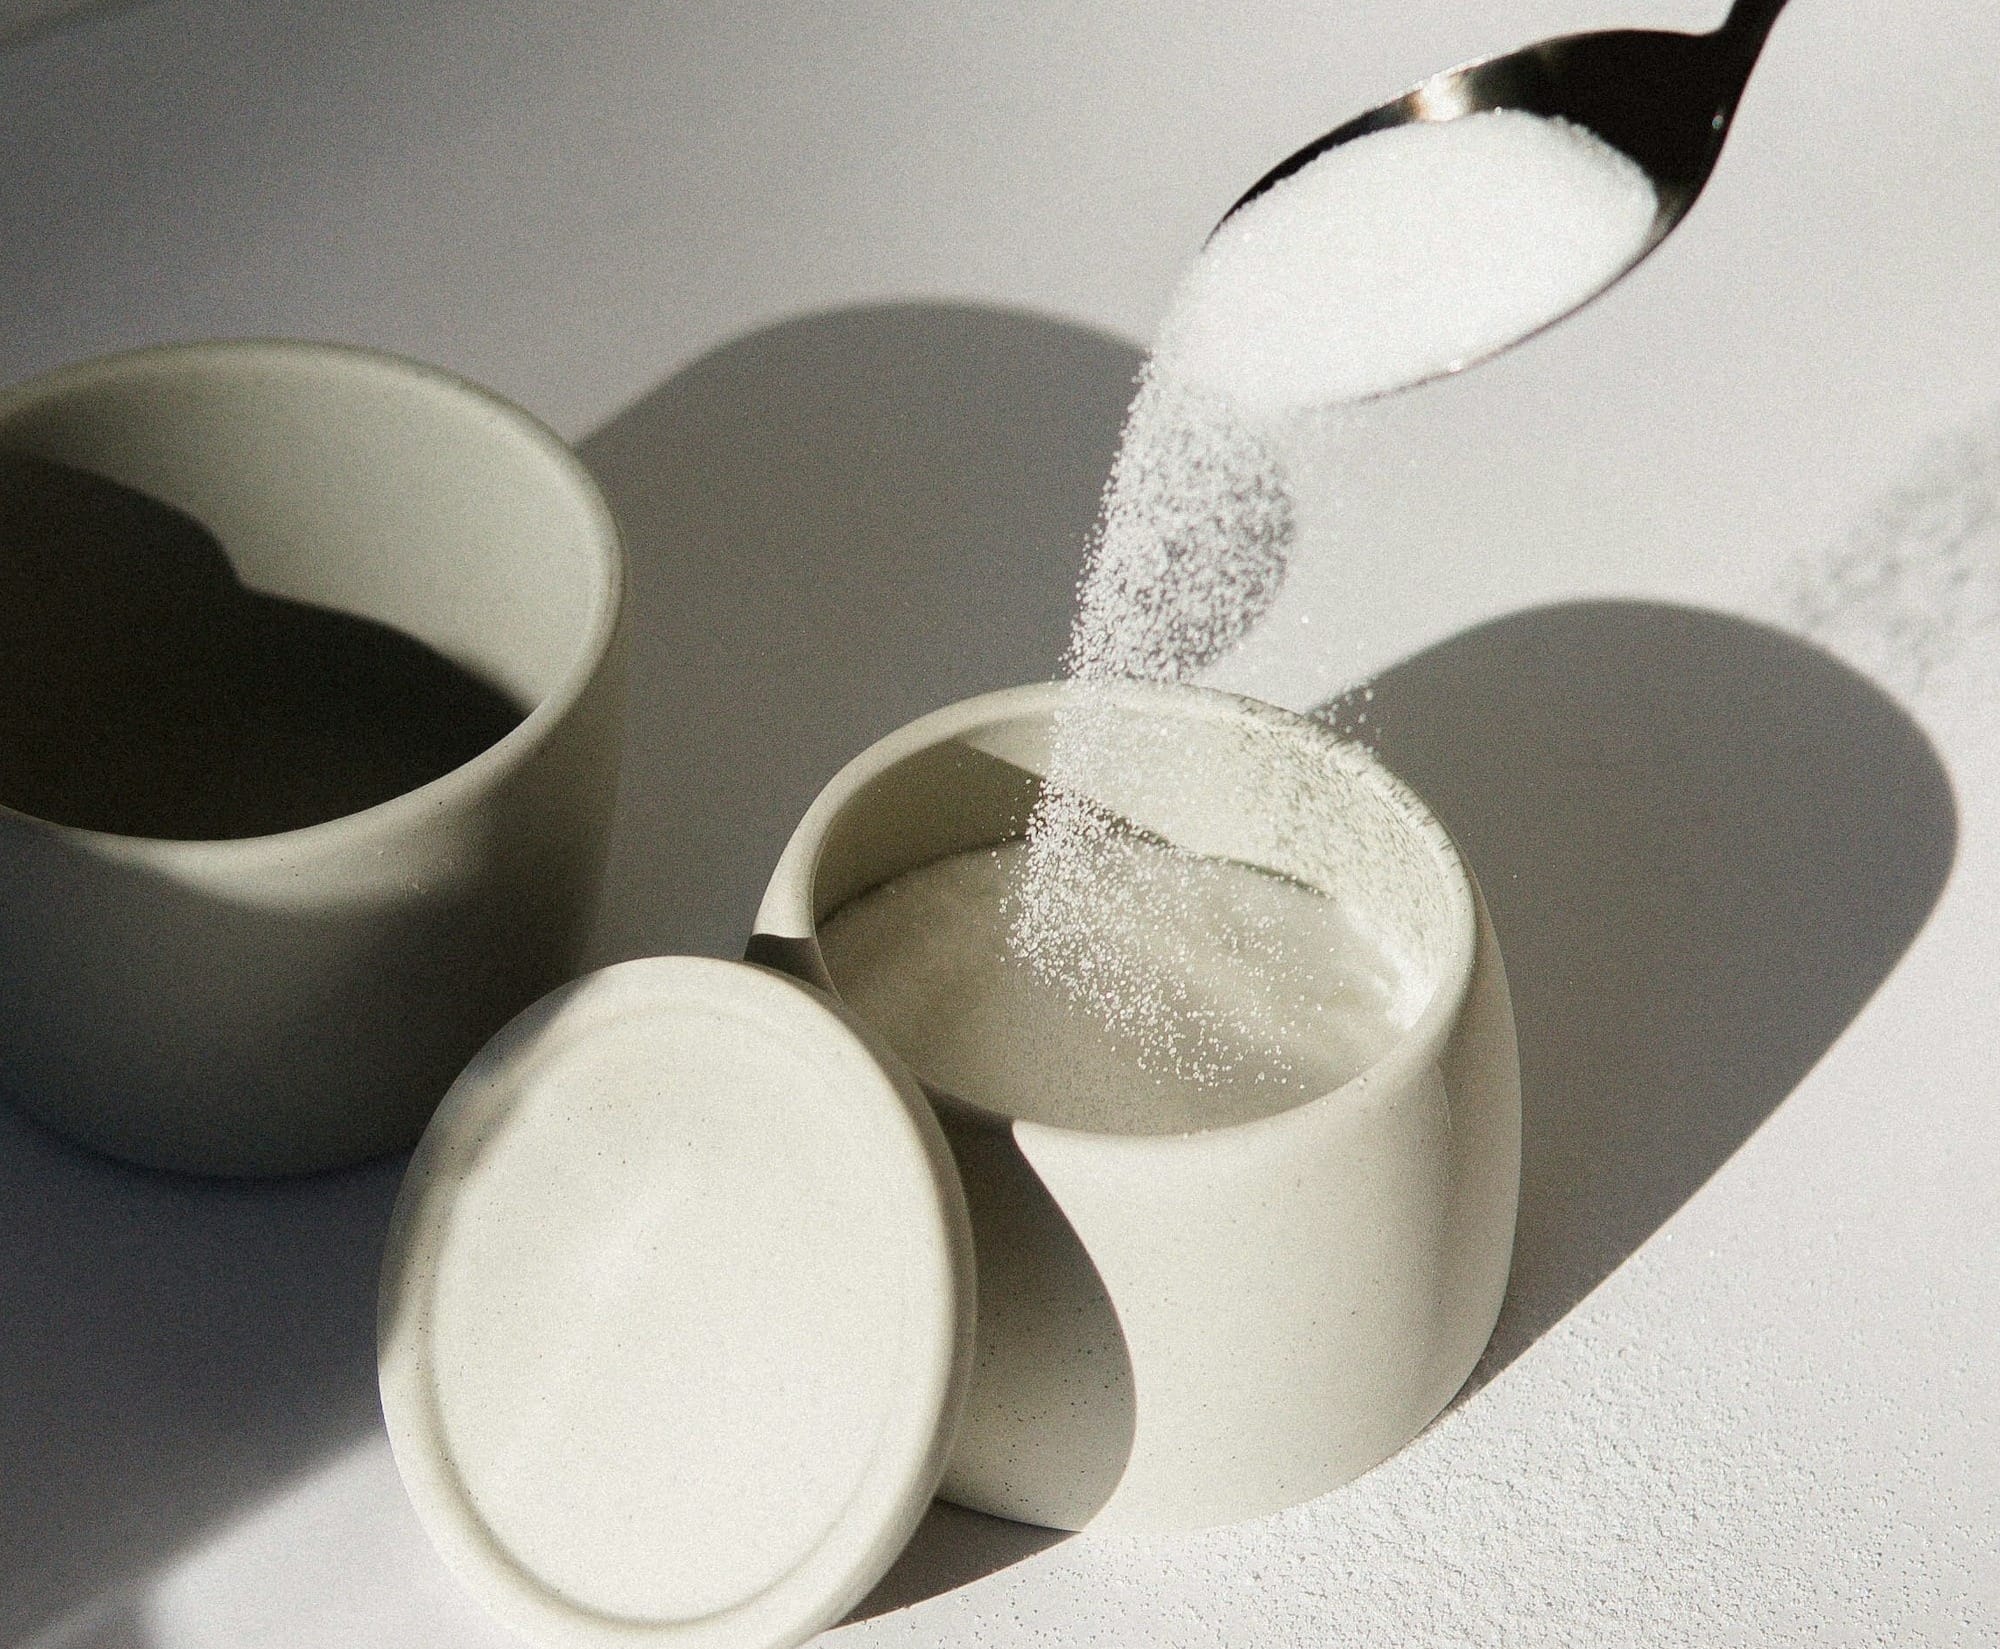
(952, 1547)
(1705, 843)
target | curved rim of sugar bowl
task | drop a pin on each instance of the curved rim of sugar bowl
(597, 632)
(786, 929)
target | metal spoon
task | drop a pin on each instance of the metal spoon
(1664, 98)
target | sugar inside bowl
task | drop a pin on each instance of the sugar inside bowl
(1218, 1031)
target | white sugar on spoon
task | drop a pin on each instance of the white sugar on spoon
(1401, 255)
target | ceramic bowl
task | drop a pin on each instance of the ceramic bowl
(1184, 1329)
(279, 1002)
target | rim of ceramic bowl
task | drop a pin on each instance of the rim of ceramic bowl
(603, 543)
(787, 907)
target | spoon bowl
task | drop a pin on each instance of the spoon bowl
(1664, 98)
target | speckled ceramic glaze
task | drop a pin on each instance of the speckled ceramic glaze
(293, 1001)
(1177, 1330)
(676, 1312)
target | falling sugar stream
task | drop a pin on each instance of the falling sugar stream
(1389, 259)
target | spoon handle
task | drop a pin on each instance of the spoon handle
(1743, 31)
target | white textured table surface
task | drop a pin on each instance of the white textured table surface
(841, 301)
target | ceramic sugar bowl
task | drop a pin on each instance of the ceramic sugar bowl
(1190, 1327)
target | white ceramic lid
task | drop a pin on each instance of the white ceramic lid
(676, 1314)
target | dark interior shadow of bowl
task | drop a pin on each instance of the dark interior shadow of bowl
(149, 692)
(1705, 844)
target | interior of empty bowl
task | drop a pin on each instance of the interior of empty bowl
(1251, 913)
(252, 587)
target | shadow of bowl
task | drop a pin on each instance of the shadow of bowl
(1705, 843)
(835, 525)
